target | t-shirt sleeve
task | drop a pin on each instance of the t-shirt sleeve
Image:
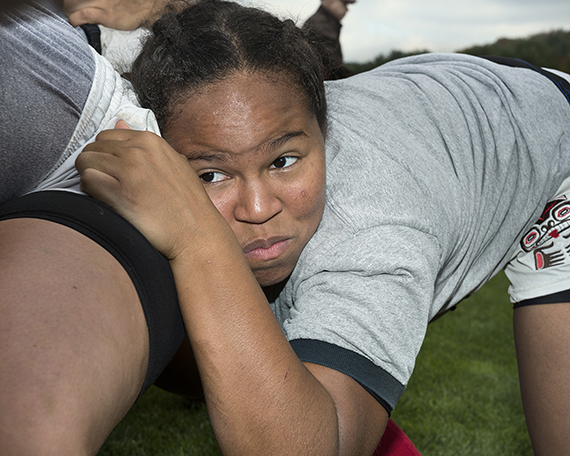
(364, 308)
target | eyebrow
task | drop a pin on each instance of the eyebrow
(209, 157)
(266, 147)
(276, 143)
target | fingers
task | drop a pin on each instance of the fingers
(100, 185)
(122, 125)
(101, 175)
(120, 154)
(124, 138)
(132, 160)
(102, 161)
(106, 162)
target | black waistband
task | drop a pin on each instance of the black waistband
(562, 84)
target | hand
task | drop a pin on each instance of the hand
(141, 177)
(116, 14)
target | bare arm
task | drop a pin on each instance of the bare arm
(542, 340)
(261, 398)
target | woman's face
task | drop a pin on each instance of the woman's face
(260, 154)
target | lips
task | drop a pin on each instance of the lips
(266, 249)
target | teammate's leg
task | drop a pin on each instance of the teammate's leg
(73, 340)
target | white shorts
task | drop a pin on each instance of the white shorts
(541, 265)
(110, 99)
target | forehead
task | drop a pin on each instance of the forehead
(237, 114)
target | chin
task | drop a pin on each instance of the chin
(271, 276)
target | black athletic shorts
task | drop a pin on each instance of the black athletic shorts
(148, 269)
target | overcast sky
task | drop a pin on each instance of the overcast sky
(374, 27)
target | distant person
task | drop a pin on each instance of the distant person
(326, 25)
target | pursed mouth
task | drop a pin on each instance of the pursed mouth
(266, 249)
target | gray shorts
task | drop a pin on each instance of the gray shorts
(46, 74)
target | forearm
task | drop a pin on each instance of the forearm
(261, 398)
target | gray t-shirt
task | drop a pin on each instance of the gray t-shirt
(46, 71)
(437, 164)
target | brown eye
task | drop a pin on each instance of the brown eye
(283, 162)
(212, 177)
(207, 177)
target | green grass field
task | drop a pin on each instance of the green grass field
(463, 398)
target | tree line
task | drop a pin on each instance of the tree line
(549, 49)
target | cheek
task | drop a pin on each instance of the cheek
(308, 199)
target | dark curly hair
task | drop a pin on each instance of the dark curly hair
(213, 39)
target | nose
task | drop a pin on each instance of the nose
(256, 203)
